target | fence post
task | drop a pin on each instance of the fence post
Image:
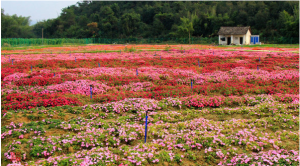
(91, 90)
(146, 126)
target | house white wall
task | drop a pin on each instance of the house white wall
(222, 42)
(235, 39)
(248, 37)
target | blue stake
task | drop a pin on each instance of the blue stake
(257, 68)
(183, 51)
(98, 64)
(91, 90)
(259, 59)
(75, 59)
(155, 54)
(12, 61)
(84, 54)
(4, 55)
(198, 63)
(160, 57)
(213, 53)
(146, 126)
(191, 84)
(137, 72)
(31, 68)
(53, 74)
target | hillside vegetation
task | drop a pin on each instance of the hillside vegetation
(158, 19)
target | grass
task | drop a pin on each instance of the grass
(265, 45)
(29, 48)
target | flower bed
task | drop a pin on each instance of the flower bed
(204, 107)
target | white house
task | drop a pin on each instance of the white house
(234, 35)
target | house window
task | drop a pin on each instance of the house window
(223, 38)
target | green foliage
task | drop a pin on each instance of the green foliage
(157, 19)
(186, 27)
(15, 26)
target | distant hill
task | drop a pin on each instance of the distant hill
(157, 19)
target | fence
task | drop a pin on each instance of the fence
(17, 42)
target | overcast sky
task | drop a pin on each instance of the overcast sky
(37, 10)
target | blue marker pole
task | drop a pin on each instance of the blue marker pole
(257, 68)
(31, 68)
(198, 63)
(75, 59)
(146, 126)
(183, 51)
(191, 84)
(213, 53)
(155, 54)
(137, 72)
(53, 74)
(259, 59)
(160, 57)
(4, 55)
(12, 61)
(91, 90)
(98, 64)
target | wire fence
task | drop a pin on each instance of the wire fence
(18, 42)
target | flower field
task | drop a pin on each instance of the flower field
(205, 106)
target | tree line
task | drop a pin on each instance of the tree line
(156, 19)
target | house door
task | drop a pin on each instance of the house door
(228, 40)
(241, 40)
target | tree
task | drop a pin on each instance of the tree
(15, 26)
(289, 23)
(130, 23)
(93, 28)
(159, 19)
(186, 27)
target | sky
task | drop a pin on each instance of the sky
(37, 10)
